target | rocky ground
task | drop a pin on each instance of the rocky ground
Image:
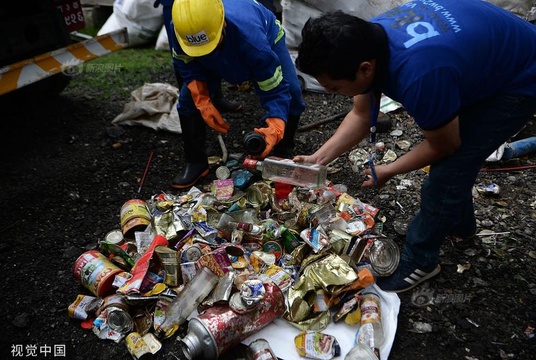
(66, 172)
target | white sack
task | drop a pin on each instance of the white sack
(162, 42)
(142, 20)
(153, 105)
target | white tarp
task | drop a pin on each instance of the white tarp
(280, 334)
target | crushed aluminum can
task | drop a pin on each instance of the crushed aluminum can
(137, 347)
(492, 189)
(252, 291)
(79, 308)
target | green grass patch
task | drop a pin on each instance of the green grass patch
(122, 71)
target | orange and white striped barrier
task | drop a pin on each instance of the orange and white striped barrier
(28, 71)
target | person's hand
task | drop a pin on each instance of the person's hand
(272, 134)
(210, 114)
(382, 176)
(309, 159)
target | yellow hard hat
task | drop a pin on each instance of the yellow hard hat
(198, 25)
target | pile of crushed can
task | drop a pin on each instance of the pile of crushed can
(318, 247)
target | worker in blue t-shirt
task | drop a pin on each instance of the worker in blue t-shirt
(238, 41)
(464, 70)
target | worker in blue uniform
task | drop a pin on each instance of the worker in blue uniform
(464, 70)
(238, 41)
(223, 104)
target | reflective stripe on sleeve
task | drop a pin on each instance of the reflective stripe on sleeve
(272, 82)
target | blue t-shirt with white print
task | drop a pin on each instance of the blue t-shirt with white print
(449, 54)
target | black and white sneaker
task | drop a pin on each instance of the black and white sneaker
(407, 276)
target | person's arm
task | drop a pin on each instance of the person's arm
(354, 128)
(438, 144)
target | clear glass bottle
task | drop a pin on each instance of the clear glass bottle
(182, 306)
(289, 172)
(371, 331)
(227, 224)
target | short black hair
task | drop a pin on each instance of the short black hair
(335, 44)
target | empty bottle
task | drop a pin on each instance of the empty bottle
(371, 330)
(289, 172)
(227, 224)
(182, 306)
(254, 143)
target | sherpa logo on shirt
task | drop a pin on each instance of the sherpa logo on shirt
(198, 39)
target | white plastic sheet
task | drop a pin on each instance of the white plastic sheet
(280, 334)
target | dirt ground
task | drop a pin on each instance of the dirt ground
(66, 172)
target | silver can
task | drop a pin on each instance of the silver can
(260, 350)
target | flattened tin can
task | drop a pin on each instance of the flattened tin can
(137, 347)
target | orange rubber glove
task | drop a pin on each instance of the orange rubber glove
(272, 134)
(210, 114)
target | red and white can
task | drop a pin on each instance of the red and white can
(96, 273)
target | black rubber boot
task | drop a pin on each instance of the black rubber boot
(223, 104)
(195, 164)
(285, 148)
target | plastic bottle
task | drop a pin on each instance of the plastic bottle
(219, 328)
(182, 306)
(289, 172)
(371, 330)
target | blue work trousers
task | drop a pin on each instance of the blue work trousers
(446, 195)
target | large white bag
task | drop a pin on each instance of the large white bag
(142, 20)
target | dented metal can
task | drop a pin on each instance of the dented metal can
(260, 350)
